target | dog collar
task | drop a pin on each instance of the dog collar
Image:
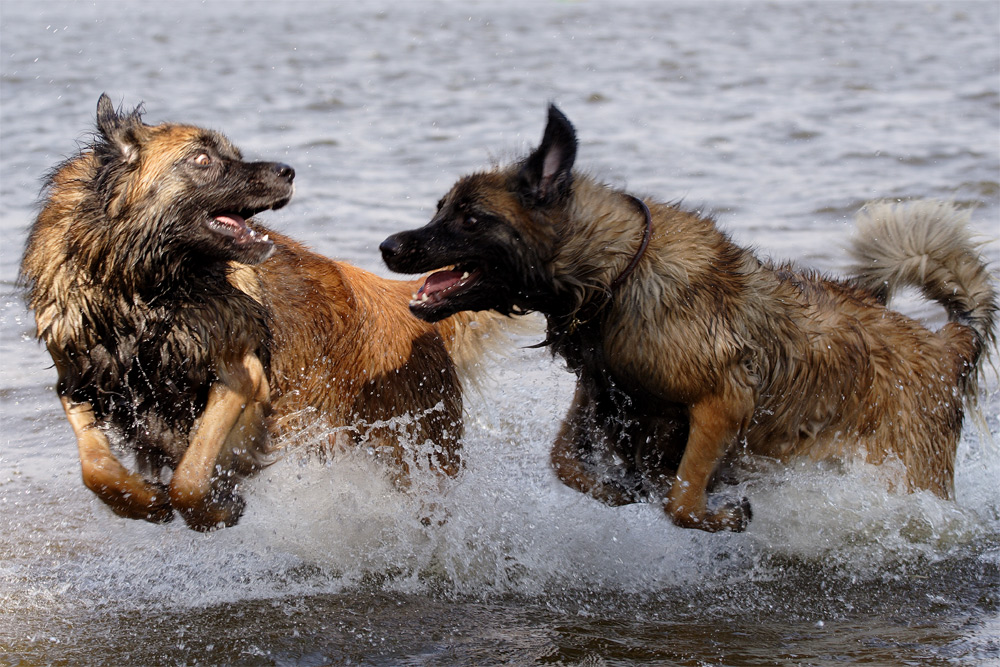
(646, 235)
(575, 319)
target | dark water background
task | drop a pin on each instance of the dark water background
(783, 118)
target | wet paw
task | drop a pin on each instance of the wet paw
(613, 493)
(733, 516)
(222, 511)
(738, 514)
(230, 509)
(150, 503)
(160, 510)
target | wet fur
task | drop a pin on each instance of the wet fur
(706, 351)
(195, 352)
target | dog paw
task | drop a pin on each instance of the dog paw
(613, 493)
(149, 503)
(160, 510)
(739, 514)
(733, 516)
(230, 509)
(223, 511)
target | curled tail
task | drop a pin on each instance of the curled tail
(928, 245)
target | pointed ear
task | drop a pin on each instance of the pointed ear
(546, 176)
(119, 130)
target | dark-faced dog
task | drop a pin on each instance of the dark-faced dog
(193, 336)
(690, 350)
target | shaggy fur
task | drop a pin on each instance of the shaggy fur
(192, 336)
(705, 351)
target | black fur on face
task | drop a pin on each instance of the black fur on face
(179, 192)
(496, 230)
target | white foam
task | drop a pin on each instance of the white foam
(505, 524)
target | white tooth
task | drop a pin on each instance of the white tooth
(465, 275)
(423, 298)
(267, 237)
(413, 297)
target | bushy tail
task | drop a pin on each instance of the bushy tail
(928, 245)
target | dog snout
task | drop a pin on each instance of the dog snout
(284, 171)
(391, 247)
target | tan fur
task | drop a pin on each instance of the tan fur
(346, 345)
(776, 362)
(704, 351)
(209, 361)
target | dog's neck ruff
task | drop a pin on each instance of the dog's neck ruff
(578, 318)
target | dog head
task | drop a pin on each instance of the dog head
(182, 188)
(497, 229)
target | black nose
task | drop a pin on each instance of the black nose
(390, 247)
(284, 171)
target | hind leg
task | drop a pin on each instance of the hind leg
(927, 454)
(126, 493)
(202, 488)
(581, 438)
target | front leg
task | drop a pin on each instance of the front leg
(716, 421)
(126, 493)
(579, 436)
(233, 421)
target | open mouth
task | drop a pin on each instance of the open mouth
(234, 226)
(442, 286)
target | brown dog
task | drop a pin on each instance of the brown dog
(193, 336)
(689, 349)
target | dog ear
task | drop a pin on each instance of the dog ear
(119, 130)
(546, 176)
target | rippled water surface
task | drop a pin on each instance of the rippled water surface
(781, 118)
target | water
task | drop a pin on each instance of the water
(781, 118)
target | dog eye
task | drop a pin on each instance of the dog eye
(470, 221)
(202, 159)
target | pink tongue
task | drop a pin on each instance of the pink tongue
(439, 281)
(232, 220)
